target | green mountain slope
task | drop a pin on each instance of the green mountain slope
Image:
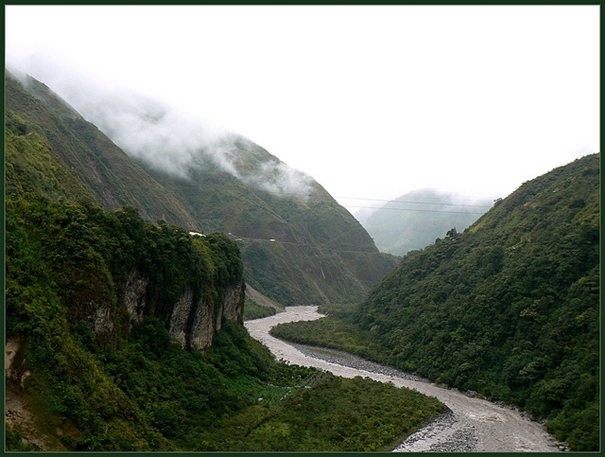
(319, 252)
(31, 167)
(417, 218)
(85, 372)
(126, 335)
(297, 248)
(510, 307)
(110, 175)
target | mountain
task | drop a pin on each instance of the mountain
(298, 244)
(125, 334)
(510, 307)
(86, 289)
(112, 178)
(297, 247)
(417, 218)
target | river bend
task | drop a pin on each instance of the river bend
(471, 424)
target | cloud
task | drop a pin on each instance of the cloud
(279, 178)
(173, 140)
(164, 138)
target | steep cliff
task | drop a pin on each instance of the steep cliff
(113, 269)
(84, 285)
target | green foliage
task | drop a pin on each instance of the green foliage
(510, 307)
(66, 264)
(365, 415)
(127, 386)
(81, 255)
(32, 168)
(337, 331)
(320, 253)
(14, 441)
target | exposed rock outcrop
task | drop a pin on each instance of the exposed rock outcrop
(233, 308)
(193, 322)
(180, 317)
(134, 295)
(206, 318)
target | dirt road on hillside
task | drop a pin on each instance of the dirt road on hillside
(470, 424)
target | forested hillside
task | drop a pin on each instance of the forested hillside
(510, 307)
(297, 247)
(124, 334)
(298, 244)
(84, 373)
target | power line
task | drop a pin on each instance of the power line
(414, 209)
(409, 201)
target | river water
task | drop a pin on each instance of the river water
(471, 424)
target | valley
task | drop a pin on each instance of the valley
(471, 424)
(130, 287)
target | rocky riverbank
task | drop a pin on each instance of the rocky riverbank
(470, 424)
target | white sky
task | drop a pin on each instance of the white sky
(372, 101)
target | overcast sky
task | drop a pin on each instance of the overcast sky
(372, 101)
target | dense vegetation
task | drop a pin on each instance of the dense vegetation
(320, 253)
(134, 389)
(509, 308)
(336, 331)
(415, 219)
(66, 264)
(95, 380)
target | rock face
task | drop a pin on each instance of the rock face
(193, 322)
(134, 295)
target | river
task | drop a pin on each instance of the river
(471, 424)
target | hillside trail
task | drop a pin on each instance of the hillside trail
(470, 424)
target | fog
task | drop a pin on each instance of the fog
(371, 101)
(171, 139)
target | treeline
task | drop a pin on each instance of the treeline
(83, 255)
(509, 308)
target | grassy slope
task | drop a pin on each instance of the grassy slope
(110, 175)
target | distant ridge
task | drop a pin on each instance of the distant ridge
(417, 218)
